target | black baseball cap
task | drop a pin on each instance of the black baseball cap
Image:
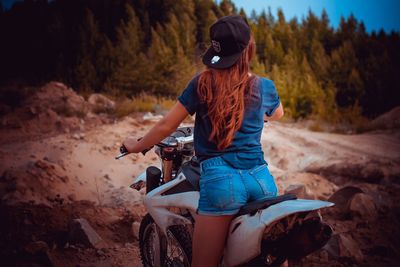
(229, 36)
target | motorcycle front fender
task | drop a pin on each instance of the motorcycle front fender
(246, 231)
(140, 177)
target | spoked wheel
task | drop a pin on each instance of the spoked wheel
(179, 247)
(149, 243)
(156, 249)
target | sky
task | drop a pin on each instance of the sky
(375, 14)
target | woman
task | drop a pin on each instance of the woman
(231, 105)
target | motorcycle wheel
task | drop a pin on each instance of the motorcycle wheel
(175, 248)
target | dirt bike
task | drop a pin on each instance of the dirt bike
(265, 232)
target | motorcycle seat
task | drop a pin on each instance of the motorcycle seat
(263, 203)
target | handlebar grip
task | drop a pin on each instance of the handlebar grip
(123, 149)
(123, 152)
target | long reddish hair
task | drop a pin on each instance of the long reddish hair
(224, 91)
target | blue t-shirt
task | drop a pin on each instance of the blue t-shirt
(245, 151)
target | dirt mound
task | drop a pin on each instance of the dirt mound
(53, 108)
(59, 98)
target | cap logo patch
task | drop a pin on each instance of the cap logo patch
(215, 59)
(216, 45)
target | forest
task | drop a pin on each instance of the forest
(131, 47)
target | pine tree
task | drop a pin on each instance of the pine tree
(205, 17)
(227, 7)
(187, 34)
(129, 62)
(320, 62)
(106, 62)
(170, 70)
(343, 72)
(89, 41)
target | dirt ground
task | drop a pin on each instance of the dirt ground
(68, 171)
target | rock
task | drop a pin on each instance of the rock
(41, 164)
(135, 230)
(363, 205)
(150, 117)
(100, 252)
(36, 247)
(343, 196)
(82, 233)
(300, 191)
(349, 248)
(372, 173)
(342, 246)
(100, 103)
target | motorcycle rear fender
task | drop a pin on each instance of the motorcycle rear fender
(158, 204)
(250, 228)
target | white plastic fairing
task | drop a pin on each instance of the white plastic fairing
(158, 204)
(140, 177)
(251, 228)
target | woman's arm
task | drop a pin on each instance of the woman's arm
(278, 113)
(162, 129)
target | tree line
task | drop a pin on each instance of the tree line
(132, 46)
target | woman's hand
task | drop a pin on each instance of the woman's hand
(131, 144)
(162, 129)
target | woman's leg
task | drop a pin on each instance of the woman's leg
(209, 239)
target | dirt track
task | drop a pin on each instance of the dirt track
(70, 174)
(87, 158)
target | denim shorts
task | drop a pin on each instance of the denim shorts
(224, 189)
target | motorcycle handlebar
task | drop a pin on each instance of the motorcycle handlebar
(180, 142)
(124, 151)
